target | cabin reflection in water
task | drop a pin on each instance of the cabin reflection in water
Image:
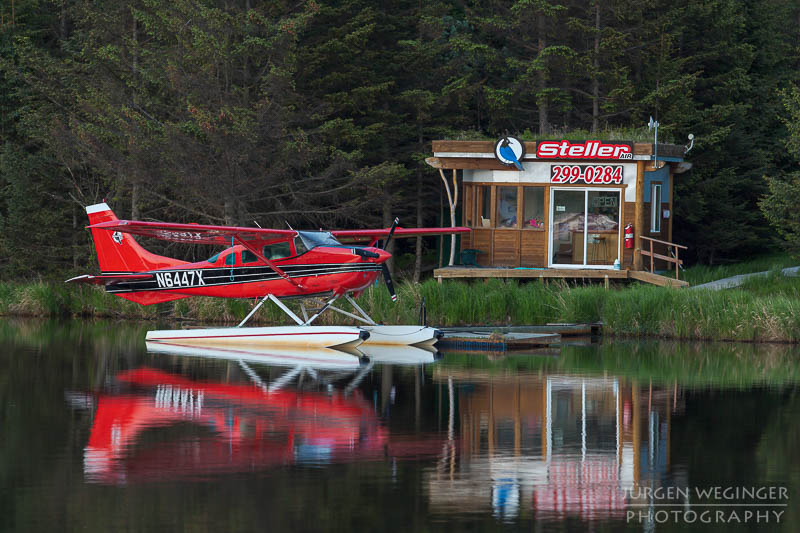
(554, 444)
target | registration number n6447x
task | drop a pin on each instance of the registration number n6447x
(589, 174)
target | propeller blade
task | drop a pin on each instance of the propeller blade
(387, 277)
(391, 232)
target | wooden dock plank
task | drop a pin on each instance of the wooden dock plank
(565, 330)
(466, 272)
(568, 273)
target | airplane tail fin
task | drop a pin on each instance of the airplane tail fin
(119, 252)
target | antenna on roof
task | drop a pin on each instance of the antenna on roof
(653, 125)
(290, 226)
(257, 224)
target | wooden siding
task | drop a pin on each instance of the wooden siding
(629, 218)
(466, 240)
(506, 248)
(482, 240)
(534, 248)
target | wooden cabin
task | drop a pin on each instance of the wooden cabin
(565, 208)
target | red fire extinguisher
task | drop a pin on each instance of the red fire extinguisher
(629, 236)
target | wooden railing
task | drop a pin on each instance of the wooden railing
(653, 256)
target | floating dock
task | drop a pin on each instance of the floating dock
(495, 342)
(513, 338)
(565, 330)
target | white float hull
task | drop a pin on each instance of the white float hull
(398, 355)
(285, 336)
(401, 335)
(318, 358)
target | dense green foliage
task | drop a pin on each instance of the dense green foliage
(321, 112)
(780, 206)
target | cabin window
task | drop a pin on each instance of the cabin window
(278, 250)
(483, 204)
(655, 209)
(299, 247)
(230, 259)
(533, 208)
(248, 257)
(506, 207)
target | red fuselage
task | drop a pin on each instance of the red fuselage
(236, 273)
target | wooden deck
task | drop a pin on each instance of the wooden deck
(564, 273)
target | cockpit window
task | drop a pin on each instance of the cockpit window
(230, 259)
(312, 239)
(299, 247)
(213, 258)
(278, 250)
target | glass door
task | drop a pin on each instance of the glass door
(602, 227)
(584, 227)
(568, 208)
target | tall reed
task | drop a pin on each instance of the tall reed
(632, 311)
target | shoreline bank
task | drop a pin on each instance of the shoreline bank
(634, 311)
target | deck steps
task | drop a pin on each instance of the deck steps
(655, 279)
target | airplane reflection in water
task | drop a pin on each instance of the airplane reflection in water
(554, 445)
(551, 446)
(209, 428)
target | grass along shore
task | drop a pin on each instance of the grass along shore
(766, 309)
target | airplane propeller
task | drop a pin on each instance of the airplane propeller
(391, 232)
(387, 276)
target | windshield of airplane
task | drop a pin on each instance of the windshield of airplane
(313, 239)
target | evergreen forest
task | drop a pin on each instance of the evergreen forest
(320, 113)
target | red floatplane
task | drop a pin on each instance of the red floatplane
(261, 263)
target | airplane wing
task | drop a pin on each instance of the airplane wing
(251, 238)
(198, 233)
(353, 235)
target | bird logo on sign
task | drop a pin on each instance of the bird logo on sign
(509, 151)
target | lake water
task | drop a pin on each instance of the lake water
(98, 434)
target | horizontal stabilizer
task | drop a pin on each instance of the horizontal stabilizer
(109, 278)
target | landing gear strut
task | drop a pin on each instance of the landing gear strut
(307, 322)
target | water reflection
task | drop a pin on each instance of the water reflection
(222, 428)
(395, 441)
(551, 445)
(560, 445)
(152, 425)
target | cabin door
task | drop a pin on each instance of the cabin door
(584, 227)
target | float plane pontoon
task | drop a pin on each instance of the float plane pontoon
(270, 264)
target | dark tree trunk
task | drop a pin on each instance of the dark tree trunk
(596, 70)
(541, 102)
(418, 249)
